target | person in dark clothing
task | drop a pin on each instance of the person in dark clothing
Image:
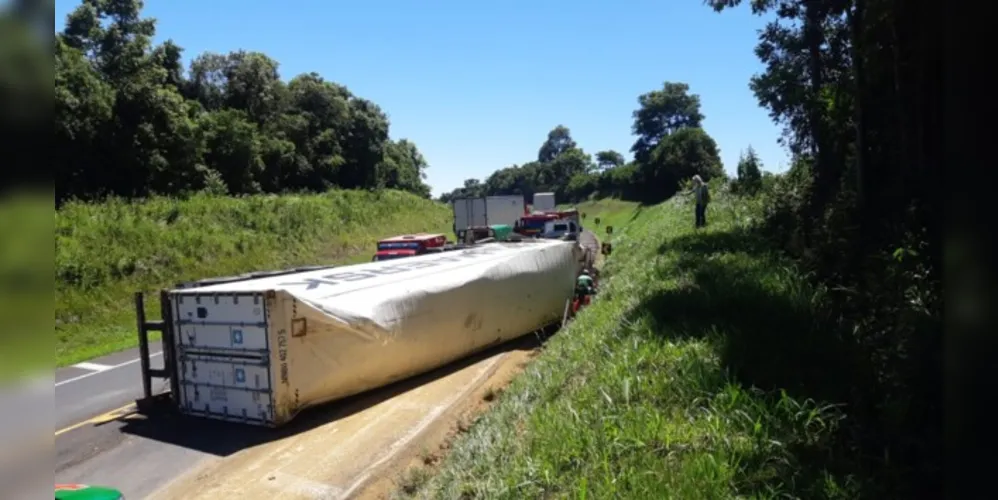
(702, 197)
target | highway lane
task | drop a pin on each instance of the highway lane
(89, 389)
(93, 417)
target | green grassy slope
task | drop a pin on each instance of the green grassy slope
(106, 252)
(669, 386)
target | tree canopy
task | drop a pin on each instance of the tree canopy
(130, 121)
(671, 148)
(749, 169)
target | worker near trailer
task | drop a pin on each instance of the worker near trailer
(584, 284)
(702, 197)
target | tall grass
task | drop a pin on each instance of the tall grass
(105, 252)
(703, 370)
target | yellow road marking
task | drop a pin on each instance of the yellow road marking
(102, 418)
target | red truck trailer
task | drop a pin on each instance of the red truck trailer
(408, 245)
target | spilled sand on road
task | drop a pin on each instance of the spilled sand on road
(369, 447)
(435, 443)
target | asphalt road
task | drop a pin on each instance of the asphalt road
(589, 240)
(99, 439)
(89, 389)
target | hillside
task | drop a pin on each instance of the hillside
(105, 252)
(701, 372)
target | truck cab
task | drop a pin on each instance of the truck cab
(409, 245)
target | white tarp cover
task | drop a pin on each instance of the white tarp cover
(341, 331)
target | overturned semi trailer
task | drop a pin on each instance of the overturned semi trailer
(260, 350)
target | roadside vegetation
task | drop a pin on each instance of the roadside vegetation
(793, 347)
(107, 251)
(706, 369)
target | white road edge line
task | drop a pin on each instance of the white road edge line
(94, 367)
(105, 368)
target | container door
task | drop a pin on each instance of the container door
(462, 214)
(226, 388)
(503, 210)
(223, 356)
(229, 322)
(478, 212)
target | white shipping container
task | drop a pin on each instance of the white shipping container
(469, 212)
(544, 202)
(504, 209)
(261, 350)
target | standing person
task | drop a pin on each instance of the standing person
(702, 197)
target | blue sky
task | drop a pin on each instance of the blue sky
(477, 85)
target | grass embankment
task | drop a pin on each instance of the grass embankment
(691, 376)
(106, 252)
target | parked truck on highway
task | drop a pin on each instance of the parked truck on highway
(544, 202)
(488, 211)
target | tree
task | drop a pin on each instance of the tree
(663, 112)
(559, 140)
(131, 122)
(848, 83)
(749, 173)
(404, 168)
(83, 109)
(564, 167)
(609, 159)
(678, 157)
(233, 150)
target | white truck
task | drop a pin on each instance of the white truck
(257, 350)
(488, 211)
(544, 202)
(560, 228)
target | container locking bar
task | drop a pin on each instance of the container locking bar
(165, 327)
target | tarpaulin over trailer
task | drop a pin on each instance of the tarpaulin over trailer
(259, 351)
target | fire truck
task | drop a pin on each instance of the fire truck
(409, 245)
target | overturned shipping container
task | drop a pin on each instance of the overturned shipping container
(261, 350)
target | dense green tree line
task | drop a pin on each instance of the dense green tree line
(670, 148)
(860, 209)
(130, 121)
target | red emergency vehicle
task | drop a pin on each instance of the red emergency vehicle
(533, 224)
(408, 245)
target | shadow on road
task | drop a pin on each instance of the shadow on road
(225, 438)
